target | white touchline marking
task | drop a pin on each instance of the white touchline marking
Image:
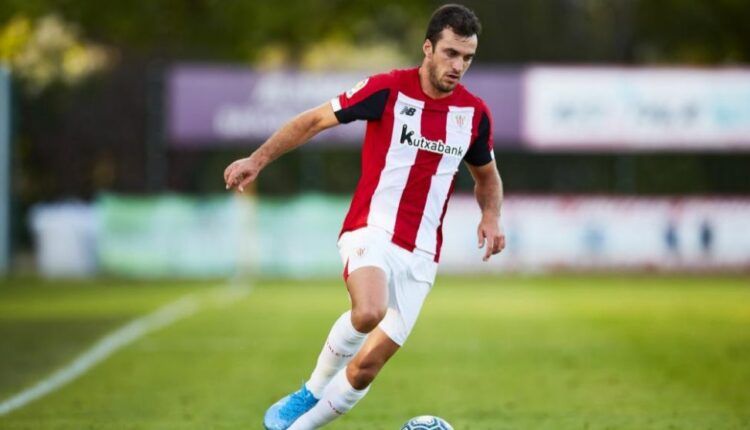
(162, 317)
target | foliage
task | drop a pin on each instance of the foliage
(231, 30)
(73, 141)
(47, 50)
(620, 31)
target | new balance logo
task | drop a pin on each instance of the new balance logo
(436, 146)
(408, 111)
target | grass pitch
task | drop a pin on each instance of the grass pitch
(487, 353)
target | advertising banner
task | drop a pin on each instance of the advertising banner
(644, 109)
(218, 236)
(222, 106)
(605, 233)
(541, 108)
(175, 236)
(296, 237)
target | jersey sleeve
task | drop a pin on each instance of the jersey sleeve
(365, 101)
(481, 150)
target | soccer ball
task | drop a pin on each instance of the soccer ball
(426, 422)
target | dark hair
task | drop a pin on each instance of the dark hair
(459, 18)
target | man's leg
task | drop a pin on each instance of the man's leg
(350, 384)
(368, 290)
(411, 279)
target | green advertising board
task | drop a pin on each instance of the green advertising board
(219, 236)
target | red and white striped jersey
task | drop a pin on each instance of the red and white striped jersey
(413, 147)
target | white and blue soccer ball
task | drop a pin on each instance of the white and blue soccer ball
(427, 422)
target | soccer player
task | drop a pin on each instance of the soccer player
(421, 123)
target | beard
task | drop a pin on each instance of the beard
(436, 82)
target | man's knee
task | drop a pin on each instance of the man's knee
(366, 318)
(361, 373)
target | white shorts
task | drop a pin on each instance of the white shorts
(410, 275)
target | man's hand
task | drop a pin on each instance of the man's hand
(242, 172)
(490, 233)
(488, 189)
(294, 133)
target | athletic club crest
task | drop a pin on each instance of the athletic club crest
(460, 120)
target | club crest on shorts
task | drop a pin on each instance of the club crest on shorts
(360, 251)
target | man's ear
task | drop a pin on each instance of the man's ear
(427, 48)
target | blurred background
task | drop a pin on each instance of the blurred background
(622, 132)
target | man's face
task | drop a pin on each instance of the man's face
(449, 59)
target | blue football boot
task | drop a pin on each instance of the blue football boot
(283, 413)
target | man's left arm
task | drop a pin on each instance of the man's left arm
(488, 190)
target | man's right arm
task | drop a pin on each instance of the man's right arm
(294, 133)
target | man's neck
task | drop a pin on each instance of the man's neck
(427, 86)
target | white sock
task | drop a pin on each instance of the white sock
(343, 342)
(339, 398)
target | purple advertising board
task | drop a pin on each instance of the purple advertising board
(213, 106)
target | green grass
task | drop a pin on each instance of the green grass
(597, 352)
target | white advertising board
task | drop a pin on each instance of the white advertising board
(225, 236)
(587, 108)
(581, 233)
